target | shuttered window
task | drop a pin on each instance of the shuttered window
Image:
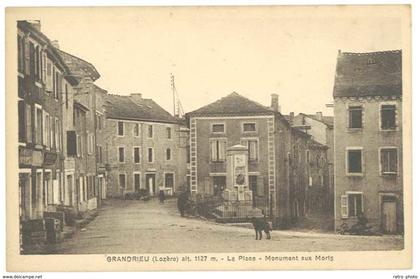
(122, 181)
(21, 121)
(28, 123)
(218, 150)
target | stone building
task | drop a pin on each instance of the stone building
(86, 135)
(321, 130)
(145, 147)
(368, 139)
(42, 82)
(266, 135)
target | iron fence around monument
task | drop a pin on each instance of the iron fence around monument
(215, 207)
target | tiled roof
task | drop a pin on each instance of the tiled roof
(123, 107)
(327, 120)
(232, 105)
(79, 67)
(368, 74)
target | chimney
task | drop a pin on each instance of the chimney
(275, 102)
(36, 24)
(136, 98)
(55, 44)
(319, 116)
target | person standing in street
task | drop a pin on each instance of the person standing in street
(161, 196)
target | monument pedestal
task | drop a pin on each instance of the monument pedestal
(237, 205)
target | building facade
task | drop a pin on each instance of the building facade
(321, 129)
(42, 82)
(145, 147)
(277, 177)
(87, 135)
(368, 140)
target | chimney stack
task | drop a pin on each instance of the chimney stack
(36, 24)
(319, 116)
(136, 98)
(55, 44)
(275, 102)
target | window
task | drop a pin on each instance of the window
(38, 125)
(121, 154)
(99, 154)
(388, 119)
(150, 131)
(21, 54)
(136, 155)
(90, 143)
(249, 127)
(136, 129)
(137, 181)
(150, 155)
(57, 134)
(355, 117)
(21, 120)
(120, 128)
(47, 127)
(218, 128)
(168, 154)
(168, 132)
(188, 154)
(218, 150)
(32, 59)
(354, 161)
(99, 122)
(28, 123)
(252, 145)
(121, 180)
(169, 180)
(389, 161)
(355, 204)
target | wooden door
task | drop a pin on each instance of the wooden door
(389, 216)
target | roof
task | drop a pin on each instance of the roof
(79, 67)
(313, 144)
(327, 120)
(368, 74)
(232, 105)
(124, 108)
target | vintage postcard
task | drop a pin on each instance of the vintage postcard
(208, 138)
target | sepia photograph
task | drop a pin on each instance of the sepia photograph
(267, 136)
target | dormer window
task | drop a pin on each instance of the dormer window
(371, 61)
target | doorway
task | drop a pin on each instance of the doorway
(151, 183)
(389, 214)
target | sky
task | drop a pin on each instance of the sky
(213, 52)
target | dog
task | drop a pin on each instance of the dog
(259, 226)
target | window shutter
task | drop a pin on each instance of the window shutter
(344, 206)
(28, 121)
(49, 76)
(222, 150)
(213, 150)
(27, 58)
(260, 186)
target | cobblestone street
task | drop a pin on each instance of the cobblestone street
(149, 227)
